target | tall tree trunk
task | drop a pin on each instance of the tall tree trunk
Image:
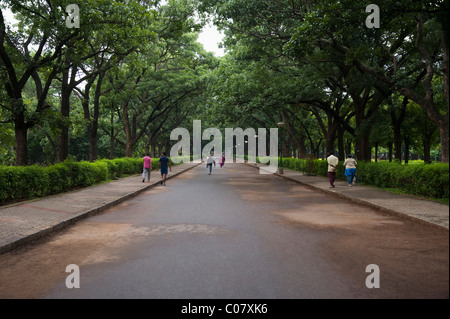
(397, 123)
(296, 136)
(426, 152)
(362, 150)
(63, 138)
(442, 122)
(398, 143)
(341, 147)
(331, 138)
(167, 147)
(93, 140)
(153, 150)
(21, 132)
(52, 158)
(407, 148)
(128, 149)
(376, 152)
(349, 148)
(87, 115)
(111, 137)
(149, 142)
(329, 132)
(390, 152)
(301, 147)
(11, 163)
(93, 127)
(128, 133)
(443, 130)
(427, 149)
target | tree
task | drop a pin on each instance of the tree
(43, 46)
(414, 39)
(41, 28)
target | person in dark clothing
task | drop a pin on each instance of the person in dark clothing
(165, 166)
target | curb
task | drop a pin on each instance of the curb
(94, 211)
(361, 202)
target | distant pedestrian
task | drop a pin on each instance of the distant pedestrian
(350, 169)
(147, 167)
(222, 160)
(209, 162)
(333, 163)
(165, 166)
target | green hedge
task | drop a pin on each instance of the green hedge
(26, 182)
(418, 179)
(423, 180)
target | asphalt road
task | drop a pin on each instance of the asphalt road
(234, 234)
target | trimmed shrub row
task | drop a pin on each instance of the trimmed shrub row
(422, 180)
(419, 179)
(26, 182)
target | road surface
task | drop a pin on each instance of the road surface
(234, 234)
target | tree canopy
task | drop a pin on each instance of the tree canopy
(134, 70)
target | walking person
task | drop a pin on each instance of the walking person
(147, 167)
(350, 169)
(209, 162)
(333, 163)
(222, 160)
(165, 166)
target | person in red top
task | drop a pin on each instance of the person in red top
(147, 167)
(222, 160)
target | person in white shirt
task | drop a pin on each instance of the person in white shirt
(350, 169)
(209, 162)
(333, 162)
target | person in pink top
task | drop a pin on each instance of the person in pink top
(222, 160)
(147, 167)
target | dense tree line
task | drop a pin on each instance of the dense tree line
(133, 71)
(130, 73)
(364, 87)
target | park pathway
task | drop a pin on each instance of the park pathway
(27, 221)
(234, 234)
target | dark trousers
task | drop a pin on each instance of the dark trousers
(331, 177)
(209, 167)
